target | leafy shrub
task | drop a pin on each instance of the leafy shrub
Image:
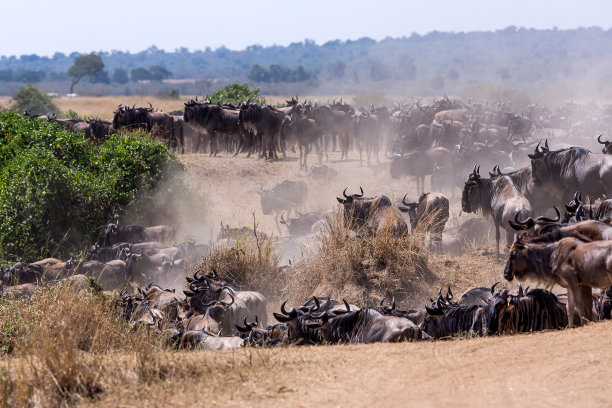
(57, 189)
(31, 99)
(236, 93)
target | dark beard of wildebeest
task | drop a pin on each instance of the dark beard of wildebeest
(418, 164)
(265, 123)
(144, 118)
(305, 131)
(300, 329)
(563, 172)
(599, 210)
(448, 320)
(372, 214)
(536, 310)
(496, 197)
(215, 120)
(428, 215)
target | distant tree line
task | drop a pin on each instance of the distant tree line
(278, 73)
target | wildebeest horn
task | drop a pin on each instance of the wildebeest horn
(546, 219)
(228, 304)
(360, 195)
(284, 311)
(344, 193)
(449, 293)
(520, 291)
(604, 142)
(537, 148)
(317, 304)
(433, 312)
(493, 286)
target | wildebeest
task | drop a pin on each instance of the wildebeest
(159, 233)
(571, 263)
(306, 132)
(604, 304)
(607, 149)
(115, 233)
(284, 196)
(428, 215)
(535, 310)
(264, 121)
(367, 135)
(301, 224)
(215, 120)
(375, 215)
(160, 124)
(563, 172)
(496, 197)
(419, 164)
(447, 320)
(111, 275)
(477, 296)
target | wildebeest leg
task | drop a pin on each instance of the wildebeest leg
(497, 238)
(198, 141)
(587, 299)
(212, 138)
(301, 147)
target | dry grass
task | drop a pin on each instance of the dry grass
(251, 262)
(361, 269)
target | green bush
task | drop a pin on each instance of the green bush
(237, 93)
(57, 192)
(36, 102)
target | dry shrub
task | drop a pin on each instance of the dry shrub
(61, 336)
(361, 268)
(250, 263)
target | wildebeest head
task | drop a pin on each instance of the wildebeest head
(519, 261)
(110, 233)
(607, 149)
(470, 195)
(538, 163)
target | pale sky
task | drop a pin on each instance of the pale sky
(44, 27)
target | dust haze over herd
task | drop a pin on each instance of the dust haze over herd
(295, 185)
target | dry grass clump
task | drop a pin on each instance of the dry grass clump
(251, 262)
(362, 269)
(60, 338)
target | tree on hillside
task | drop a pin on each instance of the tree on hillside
(159, 73)
(100, 78)
(236, 93)
(120, 76)
(140, 74)
(29, 98)
(84, 65)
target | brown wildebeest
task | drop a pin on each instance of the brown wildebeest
(160, 124)
(571, 263)
(374, 214)
(428, 215)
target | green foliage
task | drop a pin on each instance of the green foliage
(84, 65)
(140, 74)
(159, 73)
(70, 114)
(56, 191)
(120, 76)
(278, 73)
(236, 93)
(36, 102)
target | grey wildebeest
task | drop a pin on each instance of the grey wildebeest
(607, 149)
(284, 196)
(305, 131)
(115, 234)
(428, 215)
(367, 135)
(301, 224)
(563, 172)
(496, 197)
(214, 120)
(419, 164)
(264, 121)
(375, 215)
(575, 265)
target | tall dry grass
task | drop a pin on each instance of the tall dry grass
(360, 268)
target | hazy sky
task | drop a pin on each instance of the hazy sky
(44, 27)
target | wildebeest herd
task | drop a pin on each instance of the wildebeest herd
(444, 140)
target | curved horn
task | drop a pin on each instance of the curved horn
(546, 219)
(360, 195)
(520, 291)
(344, 193)
(228, 304)
(493, 286)
(346, 305)
(599, 140)
(284, 311)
